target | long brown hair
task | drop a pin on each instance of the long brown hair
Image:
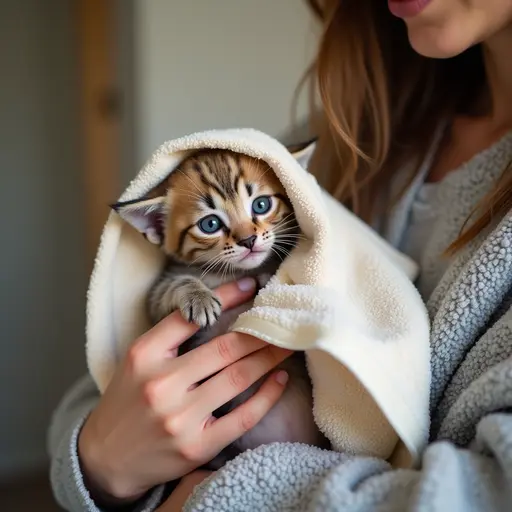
(382, 105)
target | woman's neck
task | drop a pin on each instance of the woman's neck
(498, 64)
(469, 135)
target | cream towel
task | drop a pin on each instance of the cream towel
(344, 296)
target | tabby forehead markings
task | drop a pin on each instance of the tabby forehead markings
(183, 234)
(238, 177)
(209, 200)
(224, 184)
(223, 203)
(211, 184)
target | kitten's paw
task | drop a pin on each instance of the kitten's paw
(201, 307)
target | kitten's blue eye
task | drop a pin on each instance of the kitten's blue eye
(210, 224)
(261, 205)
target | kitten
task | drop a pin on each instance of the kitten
(218, 217)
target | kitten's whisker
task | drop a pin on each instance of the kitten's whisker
(222, 265)
(289, 247)
(198, 258)
(206, 262)
(208, 268)
(261, 174)
(288, 218)
(225, 268)
(286, 227)
(191, 180)
(280, 245)
(282, 255)
(289, 236)
(281, 248)
(189, 193)
(283, 223)
(211, 264)
(277, 254)
(286, 243)
(287, 231)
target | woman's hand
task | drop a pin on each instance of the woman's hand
(154, 424)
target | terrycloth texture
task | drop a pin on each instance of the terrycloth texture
(469, 466)
(474, 477)
(343, 295)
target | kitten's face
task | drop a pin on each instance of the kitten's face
(221, 210)
(229, 211)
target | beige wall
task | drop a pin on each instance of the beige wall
(204, 64)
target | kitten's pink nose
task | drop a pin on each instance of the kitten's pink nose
(248, 242)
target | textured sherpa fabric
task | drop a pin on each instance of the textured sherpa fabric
(281, 477)
(343, 295)
(468, 465)
(68, 483)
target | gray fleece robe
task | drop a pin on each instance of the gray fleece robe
(468, 464)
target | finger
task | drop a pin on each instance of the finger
(225, 430)
(234, 380)
(222, 351)
(173, 330)
(185, 372)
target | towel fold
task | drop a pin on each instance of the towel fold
(343, 295)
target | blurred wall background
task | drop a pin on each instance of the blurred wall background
(203, 64)
(42, 264)
(181, 66)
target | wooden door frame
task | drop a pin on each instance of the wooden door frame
(100, 109)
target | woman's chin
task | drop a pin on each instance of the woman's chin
(438, 43)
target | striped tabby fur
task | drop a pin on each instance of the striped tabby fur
(218, 217)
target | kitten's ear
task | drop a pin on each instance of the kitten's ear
(146, 216)
(303, 151)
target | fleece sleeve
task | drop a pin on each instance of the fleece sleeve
(296, 477)
(65, 474)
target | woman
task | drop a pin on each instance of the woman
(415, 138)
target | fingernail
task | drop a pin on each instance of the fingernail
(282, 377)
(246, 284)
